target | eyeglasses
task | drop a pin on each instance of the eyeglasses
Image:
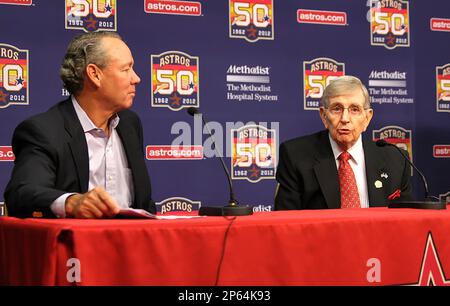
(354, 110)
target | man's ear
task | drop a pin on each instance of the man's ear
(94, 74)
(369, 115)
(323, 116)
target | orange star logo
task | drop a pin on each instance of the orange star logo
(254, 171)
(3, 96)
(175, 100)
(390, 39)
(251, 32)
(91, 23)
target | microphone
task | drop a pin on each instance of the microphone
(233, 208)
(427, 204)
(383, 143)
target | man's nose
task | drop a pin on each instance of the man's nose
(345, 115)
(135, 78)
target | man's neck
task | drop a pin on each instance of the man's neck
(94, 110)
(338, 148)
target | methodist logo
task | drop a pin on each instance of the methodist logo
(443, 88)
(17, 2)
(389, 23)
(317, 74)
(389, 87)
(177, 204)
(13, 76)
(249, 83)
(175, 80)
(91, 15)
(253, 153)
(251, 20)
(399, 136)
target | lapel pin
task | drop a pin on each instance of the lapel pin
(384, 174)
(395, 194)
(378, 184)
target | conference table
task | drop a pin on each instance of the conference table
(374, 246)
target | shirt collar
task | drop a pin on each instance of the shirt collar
(356, 151)
(87, 123)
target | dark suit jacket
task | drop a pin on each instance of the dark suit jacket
(52, 159)
(308, 177)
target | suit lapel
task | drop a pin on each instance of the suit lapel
(375, 165)
(77, 143)
(326, 172)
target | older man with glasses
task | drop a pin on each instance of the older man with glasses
(336, 167)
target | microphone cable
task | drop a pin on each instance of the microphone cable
(224, 246)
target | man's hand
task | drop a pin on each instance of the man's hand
(96, 203)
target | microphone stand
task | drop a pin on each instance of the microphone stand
(428, 202)
(233, 208)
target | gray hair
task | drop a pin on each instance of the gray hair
(344, 85)
(83, 50)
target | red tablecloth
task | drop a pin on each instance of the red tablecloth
(327, 247)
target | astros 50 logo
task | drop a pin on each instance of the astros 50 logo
(177, 204)
(399, 136)
(13, 76)
(175, 80)
(443, 88)
(253, 153)
(91, 15)
(251, 19)
(317, 74)
(389, 23)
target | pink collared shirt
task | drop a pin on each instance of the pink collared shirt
(108, 164)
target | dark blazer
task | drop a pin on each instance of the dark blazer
(308, 177)
(52, 159)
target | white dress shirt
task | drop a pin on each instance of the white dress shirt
(108, 164)
(358, 164)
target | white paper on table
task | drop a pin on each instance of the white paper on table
(133, 213)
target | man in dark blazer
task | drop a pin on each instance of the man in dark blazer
(84, 158)
(308, 170)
